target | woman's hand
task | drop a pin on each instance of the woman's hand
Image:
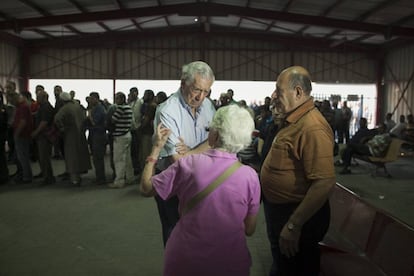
(161, 136)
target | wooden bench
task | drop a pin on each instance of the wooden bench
(363, 240)
(392, 154)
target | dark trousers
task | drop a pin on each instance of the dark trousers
(4, 170)
(10, 144)
(98, 148)
(24, 168)
(135, 142)
(352, 149)
(45, 153)
(307, 261)
(168, 212)
(343, 133)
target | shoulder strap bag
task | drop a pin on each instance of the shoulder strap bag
(210, 188)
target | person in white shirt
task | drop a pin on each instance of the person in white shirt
(398, 129)
(136, 104)
(389, 122)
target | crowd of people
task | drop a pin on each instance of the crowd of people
(187, 150)
(375, 142)
(34, 130)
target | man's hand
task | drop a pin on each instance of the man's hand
(289, 241)
(181, 147)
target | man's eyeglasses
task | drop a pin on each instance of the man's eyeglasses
(198, 91)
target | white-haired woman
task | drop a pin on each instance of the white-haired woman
(209, 239)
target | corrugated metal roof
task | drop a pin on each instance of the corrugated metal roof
(371, 22)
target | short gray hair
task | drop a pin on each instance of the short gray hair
(235, 127)
(196, 68)
(302, 80)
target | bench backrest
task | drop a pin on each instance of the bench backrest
(385, 241)
(392, 153)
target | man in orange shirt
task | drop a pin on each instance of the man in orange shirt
(297, 177)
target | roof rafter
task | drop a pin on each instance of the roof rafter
(43, 33)
(73, 29)
(324, 13)
(78, 6)
(84, 11)
(165, 17)
(42, 12)
(35, 7)
(241, 17)
(121, 6)
(285, 9)
(375, 9)
(364, 16)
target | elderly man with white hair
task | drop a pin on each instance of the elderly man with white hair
(187, 114)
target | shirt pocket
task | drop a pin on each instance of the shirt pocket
(281, 157)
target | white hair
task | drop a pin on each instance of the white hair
(235, 126)
(196, 68)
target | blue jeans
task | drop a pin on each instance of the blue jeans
(306, 261)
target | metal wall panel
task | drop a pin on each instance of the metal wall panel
(10, 64)
(231, 58)
(399, 77)
(50, 63)
(147, 63)
(336, 67)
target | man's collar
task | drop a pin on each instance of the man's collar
(299, 111)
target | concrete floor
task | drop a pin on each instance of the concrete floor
(93, 230)
(394, 195)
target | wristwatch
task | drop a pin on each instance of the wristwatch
(290, 226)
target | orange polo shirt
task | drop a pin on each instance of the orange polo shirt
(301, 152)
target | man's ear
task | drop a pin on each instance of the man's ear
(298, 92)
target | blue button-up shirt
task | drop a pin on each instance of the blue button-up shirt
(176, 115)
